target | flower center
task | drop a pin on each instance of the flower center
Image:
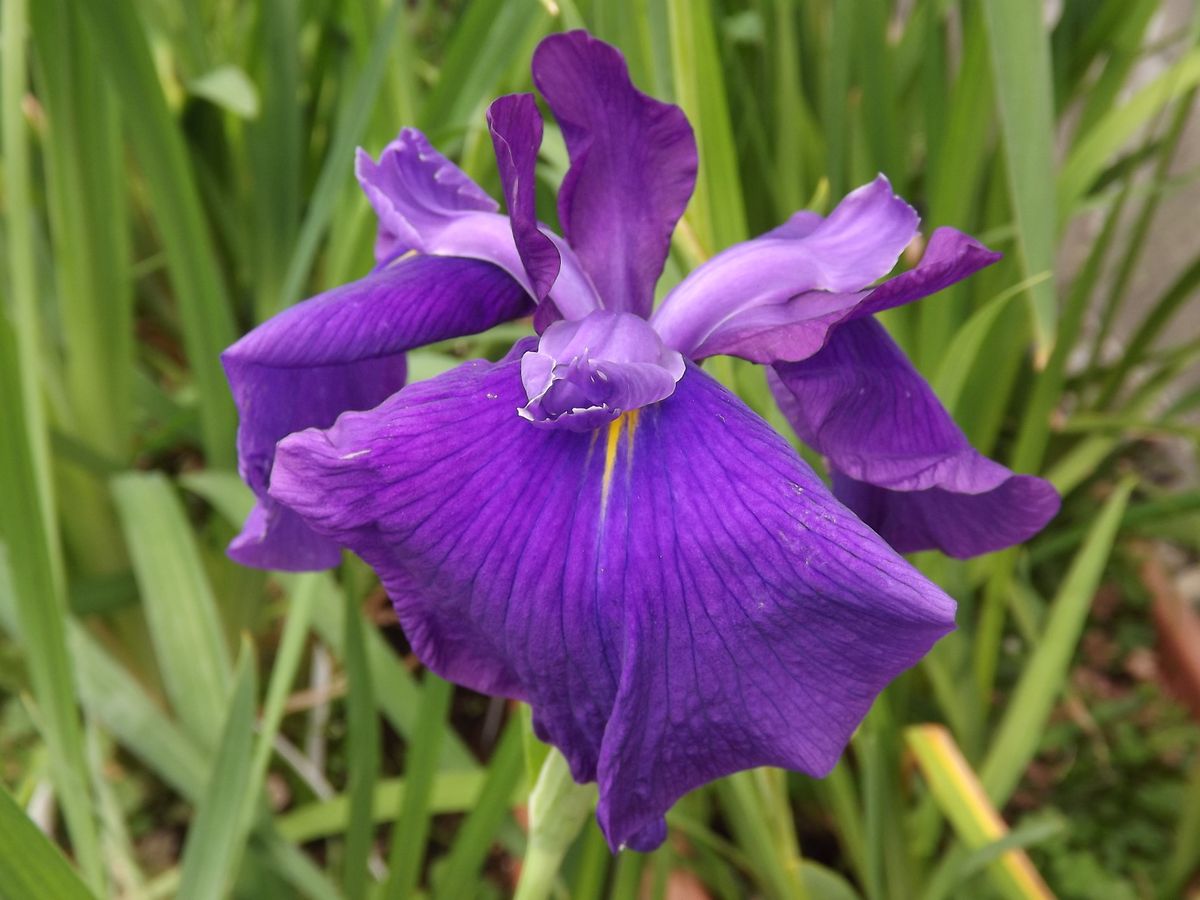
(587, 372)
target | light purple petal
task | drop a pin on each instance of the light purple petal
(416, 192)
(633, 167)
(342, 350)
(677, 596)
(427, 205)
(586, 373)
(803, 277)
(905, 467)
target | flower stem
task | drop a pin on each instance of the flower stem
(558, 807)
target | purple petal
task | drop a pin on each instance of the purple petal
(633, 167)
(903, 464)
(342, 350)
(516, 128)
(587, 372)
(677, 596)
(416, 192)
(426, 204)
(802, 277)
(949, 257)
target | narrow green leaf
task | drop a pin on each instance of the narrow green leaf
(1025, 96)
(26, 512)
(961, 797)
(716, 213)
(354, 113)
(964, 349)
(1095, 152)
(957, 182)
(218, 831)
(195, 274)
(452, 792)
(362, 754)
(88, 208)
(462, 865)
(275, 149)
(31, 867)
(178, 602)
(1016, 740)
(480, 50)
(412, 823)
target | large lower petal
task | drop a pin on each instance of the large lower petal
(344, 350)
(677, 595)
(796, 277)
(903, 464)
(633, 166)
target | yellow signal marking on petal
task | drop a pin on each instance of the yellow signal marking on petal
(626, 422)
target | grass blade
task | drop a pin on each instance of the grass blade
(1094, 153)
(362, 755)
(31, 867)
(191, 258)
(452, 792)
(178, 602)
(335, 172)
(717, 212)
(412, 824)
(218, 832)
(462, 865)
(1016, 740)
(960, 795)
(1025, 96)
(26, 523)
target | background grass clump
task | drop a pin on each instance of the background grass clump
(173, 173)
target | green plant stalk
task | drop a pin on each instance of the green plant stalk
(558, 807)
(26, 514)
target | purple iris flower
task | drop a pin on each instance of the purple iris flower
(593, 524)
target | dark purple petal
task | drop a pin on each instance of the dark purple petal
(633, 167)
(516, 127)
(903, 464)
(960, 525)
(802, 277)
(587, 372)
(342, 350)
(949, 257)
(677, 595)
